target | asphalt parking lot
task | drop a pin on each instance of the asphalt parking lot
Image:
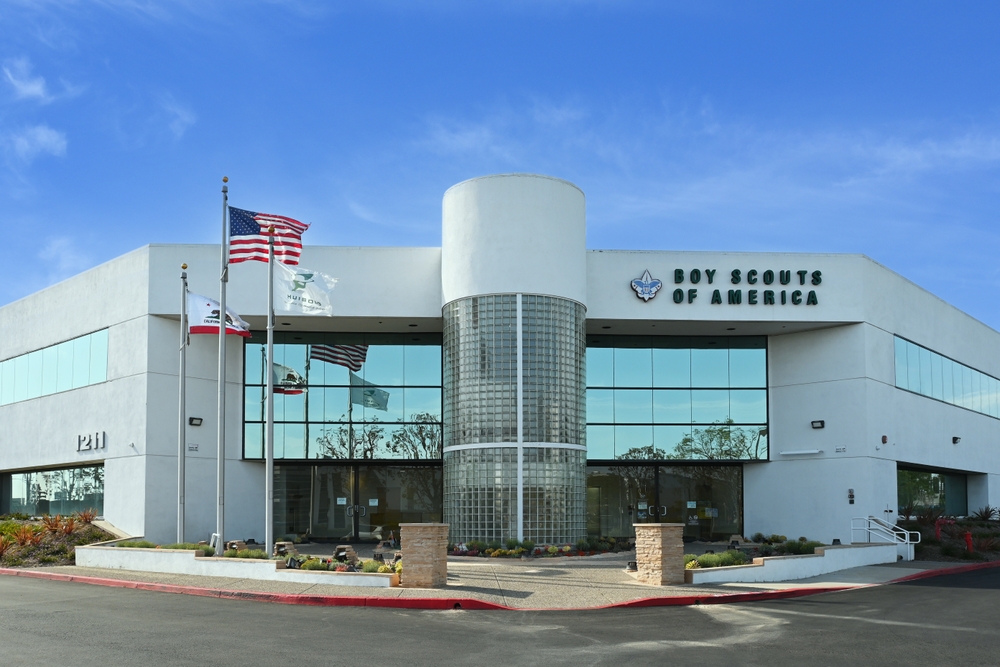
(952, 619)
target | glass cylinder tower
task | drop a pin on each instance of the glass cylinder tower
(514, 290)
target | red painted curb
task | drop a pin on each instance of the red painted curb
(469, 603)
(959, 569)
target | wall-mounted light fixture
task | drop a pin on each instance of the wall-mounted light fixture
(956, 440)
(195, 421)
(885, 439)
(819, 423)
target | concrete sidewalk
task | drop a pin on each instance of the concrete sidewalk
(543, 583)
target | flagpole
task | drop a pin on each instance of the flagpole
(220, 511)
(308, 347)
(182, 408)
(269, 429)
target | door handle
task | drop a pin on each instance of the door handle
(663, 510)
(364, 510)
(350, 510)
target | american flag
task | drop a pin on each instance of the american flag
(248, 236)
(351, 356)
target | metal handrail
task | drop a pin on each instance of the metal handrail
(887, 532)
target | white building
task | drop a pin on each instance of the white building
(536, 389)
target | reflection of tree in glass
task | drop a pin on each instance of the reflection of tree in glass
(420, 440)
(722, 484)
(919, 489)
(722, 442)
(338, 443)
(639, 479)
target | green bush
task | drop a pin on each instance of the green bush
(733, 557)
(709, 560)
(529, 545)
(370, 566)
(245, 553)
(315, 564)
(494, 544)
(583, 545)
(137, 544)
(951, 551)
(512, 543)
(689, 557)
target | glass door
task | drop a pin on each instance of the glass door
(708, 500)
(390, 495)
(619, 496)
(333, 503)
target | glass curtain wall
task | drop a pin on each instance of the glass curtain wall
(54, 491)
(930, 374)
(69, 365)
(664, 398)
(389, 408)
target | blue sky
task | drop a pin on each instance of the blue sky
(762, 126)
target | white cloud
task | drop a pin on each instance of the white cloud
(18, 75)
(62, 258)
(179, 117)
(34, 141)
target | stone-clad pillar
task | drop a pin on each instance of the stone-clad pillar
(425, 554)
(659, 553)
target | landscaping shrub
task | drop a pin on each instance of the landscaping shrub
(136, 544)
(709, 560)
(315, 564)
(493, 544)
(245, 553)
(986, 513)
(512, 544)
(689, 557)
(583, 545)
(209, 551)
(384, 569)
(529, 545)
(370, 566)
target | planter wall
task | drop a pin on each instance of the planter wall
(177, 561)
(786, 568)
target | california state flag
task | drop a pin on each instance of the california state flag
(203, 317)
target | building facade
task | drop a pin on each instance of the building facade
(530, 389)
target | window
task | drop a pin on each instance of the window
(68, 365)
(930, 374)
(670, 398)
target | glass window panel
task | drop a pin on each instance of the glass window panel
(937, 377)
(7, 382)
(709, 406)
(384, 365)
(967, 387)
(672, 406)
(633, 406)
(21, 377)
(925, 371)
(600, 442)
(292, 406)
(709, 368)
(748, 406)
(64, 367)
(253, 406)
(289, 439)
(600, 367)
(253, 369)
(633, 441)
(392, 414)
(422, 404)
(335, 403)
(747, 368)
(900, 355)
(34, 374)
(913, 366)
(253, 443)
(977, 391)
(601, 406)
(81, 362)
(668, 438)
(633, 368)
(422, 365)
(99, 356)
(412, 441)
(329, 441)
(671, 367)
(948, 380)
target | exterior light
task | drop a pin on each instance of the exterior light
(819, 423)
(195, 421)
(956, 440)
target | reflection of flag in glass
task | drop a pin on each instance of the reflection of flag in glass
(287, 380)
(351, 356)
(368, 395)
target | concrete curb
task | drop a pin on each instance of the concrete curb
(472, 603)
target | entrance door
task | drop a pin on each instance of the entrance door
(619, 496)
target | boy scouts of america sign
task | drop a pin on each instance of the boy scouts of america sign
(757, 283)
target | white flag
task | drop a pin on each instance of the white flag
(300, 290)
(203, 317)
(367, 394)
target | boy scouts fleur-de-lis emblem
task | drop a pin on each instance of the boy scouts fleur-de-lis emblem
(647, 286)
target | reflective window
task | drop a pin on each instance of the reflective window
(708, 398)
(56, 491)
(69, 365)
(930, 374)
(389, 408)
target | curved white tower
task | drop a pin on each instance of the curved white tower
(514, 283)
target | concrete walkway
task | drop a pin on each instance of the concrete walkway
(542, 583)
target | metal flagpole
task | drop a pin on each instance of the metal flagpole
(182, 407)
(220, 512)
(269, 429)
